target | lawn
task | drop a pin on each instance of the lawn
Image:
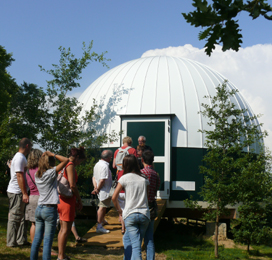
(179, 241)
(172, 240)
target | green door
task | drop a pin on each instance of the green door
(157, 133)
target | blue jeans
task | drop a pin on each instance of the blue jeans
(149, 241)
(136, 226)
(45, 227)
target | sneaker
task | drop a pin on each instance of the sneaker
(26, 244)
(102, 230)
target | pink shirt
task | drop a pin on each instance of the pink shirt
(33, 188)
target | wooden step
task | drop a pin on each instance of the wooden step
(161, 209)
(114, 238)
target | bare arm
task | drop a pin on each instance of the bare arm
(95, 190)
(115, 198)
(22, 185)
(101, 184)
(99, 187)
(63, 160)
(113, 164)
(70, 170)
(94, 183)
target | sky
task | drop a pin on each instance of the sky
(34, 30)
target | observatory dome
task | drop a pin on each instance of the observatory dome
(160, 85)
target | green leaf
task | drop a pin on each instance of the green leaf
(223, 13)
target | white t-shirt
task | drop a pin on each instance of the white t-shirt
(136, 194)
(18, 164)
(102, 171)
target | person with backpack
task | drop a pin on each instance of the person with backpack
(119, 155)
(121, 152)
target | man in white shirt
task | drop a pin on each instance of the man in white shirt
(102, 181)
(18, 197)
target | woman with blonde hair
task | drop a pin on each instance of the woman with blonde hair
(67, 206)
(46, 212)
(32, 167)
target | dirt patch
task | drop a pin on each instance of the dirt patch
(97, 252)
(229, 243)
(157, 256)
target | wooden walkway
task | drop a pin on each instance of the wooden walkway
(114, 238)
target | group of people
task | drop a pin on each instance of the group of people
(134, 196)
(33, 196)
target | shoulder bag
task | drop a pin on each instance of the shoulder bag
(63, 185)
(30, 177)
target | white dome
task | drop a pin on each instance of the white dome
(160, 85)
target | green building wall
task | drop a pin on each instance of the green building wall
(185, 164)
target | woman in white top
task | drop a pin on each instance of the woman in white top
(136, 213)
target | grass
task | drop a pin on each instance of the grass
(173, 241)
(82, 225)
(180, 241)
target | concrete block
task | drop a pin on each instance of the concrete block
(222, 231)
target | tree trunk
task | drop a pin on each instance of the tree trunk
(248, 247)
(216, 237)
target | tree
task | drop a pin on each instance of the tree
(29, 114)
(21, 115)
(8, 88)
(8, 85)
(254, 213)
(219, 19)
(229, 157)
(67, 122)
(51, 118)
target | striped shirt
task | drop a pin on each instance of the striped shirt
(154, 180)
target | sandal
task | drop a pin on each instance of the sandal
(53, 253)
(81, 240)
(66, 258)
